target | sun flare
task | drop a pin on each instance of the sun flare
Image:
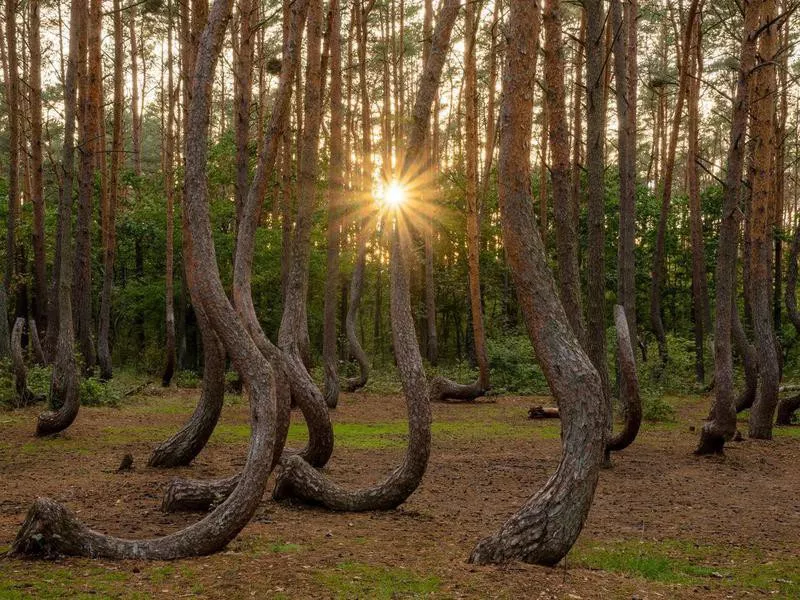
(394, 194)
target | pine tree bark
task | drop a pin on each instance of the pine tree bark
(565, 215)
(64, 378)
(136, 132)
(12, 106)
(547, 525)
(763, 204)
(37, 181)
(335, 191)
(595, 167)
(722, 426)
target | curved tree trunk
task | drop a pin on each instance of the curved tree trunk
(629, 386)
(36, 344)
(24, 396)
(353, 384)
(547, 525)
(749, 356)
(722, 426)
(64, 378)
(787, 406)
(182, 448)
(297, 479)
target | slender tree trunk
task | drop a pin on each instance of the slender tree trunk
(595, 161)
(432, 337)
(699, 283)
(335, 192)
(763, 204)
(37, 182)
(136, 133)
(169, 185)
(561, 506)
(12, 105)
(89, 81)
(625, 67)
(64, 378)
(722, 426)
(566, 223)
(659, 256)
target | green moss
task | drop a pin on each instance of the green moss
(356, 580)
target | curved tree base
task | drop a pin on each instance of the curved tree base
(629, 387)
(353, 384)
(64, 386)
(786, 408)
(443, 389)
(183, 447)
(711, 441)
(36, 344)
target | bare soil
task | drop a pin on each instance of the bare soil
(665, 524)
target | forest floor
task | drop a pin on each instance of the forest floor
(664, 523)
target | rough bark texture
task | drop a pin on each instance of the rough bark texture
(547, 525)
(37, 181)
(35, 343)
(625, 72)
(722, 426)
(24, 396)
(335, 190)
(110, 210)
(169, 192)
(659, 256)
(763, 134)
(297, 479)
(629, 386)
(12, 114)
(293, 335)
(565, 215)
(595, 167)
(353, 384)
(64, 378)
(182, 448)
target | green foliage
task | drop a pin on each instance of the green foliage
(7, 392)
(187, 379)
(94, 392)
(513, 367)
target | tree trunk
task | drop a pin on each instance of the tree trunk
(335, 192)
(629, 386)
(87, 118)
(111, 200)
(547, 525)
(722, 426)
(169, 185)
(297, 479)
(354, 348)
(64, 378)
(625, 72)
(24, 396)
(36, 344)
(442, 388)
(565, 215)
(659, 256)
(136, 132)
(293, 335)
(595, 166)
(763, 203)
(699, 282)
(37, 182)
(12, 105)
(432, 338)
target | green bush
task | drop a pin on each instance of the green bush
(514, 369)
(94, 392)
(187, 379)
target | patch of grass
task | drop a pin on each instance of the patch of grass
(357, 580)
(786, 431)
(682, 562)
(41, 581)
(56, 445)
(159, 575)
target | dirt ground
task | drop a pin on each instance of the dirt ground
(664, 523)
